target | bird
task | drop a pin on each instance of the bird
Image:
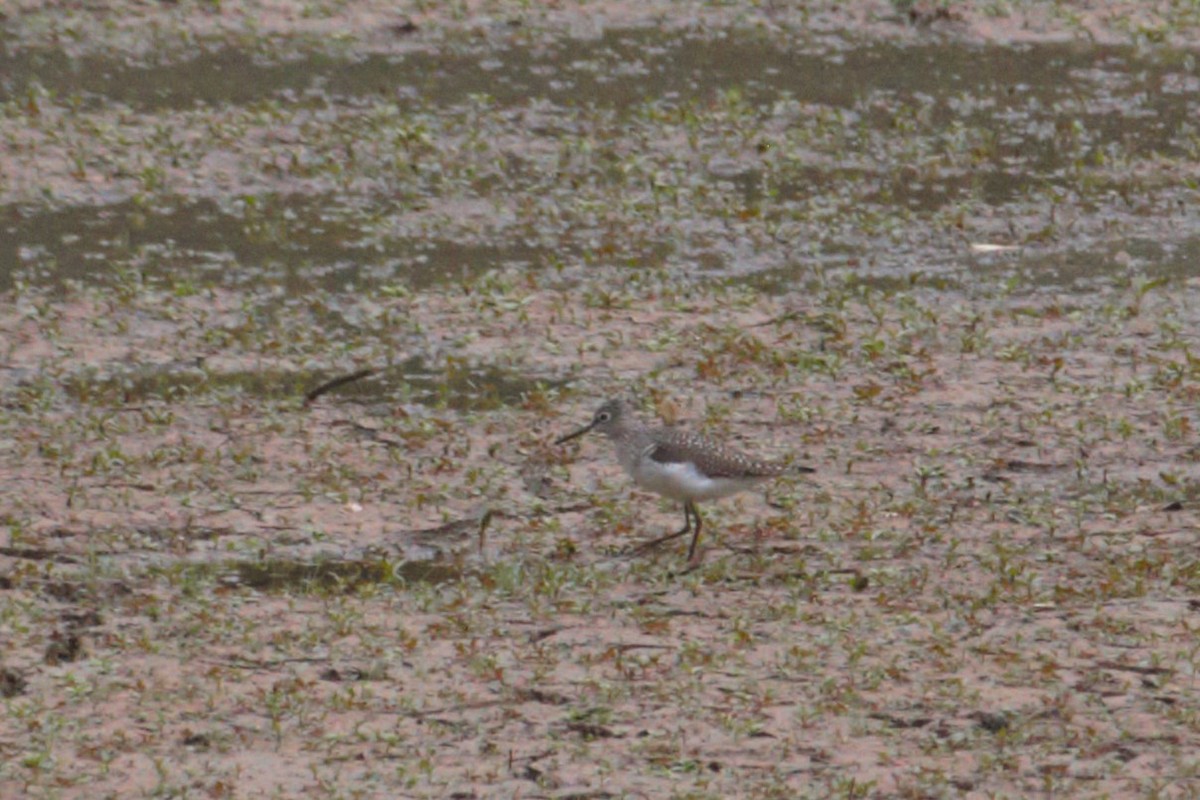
(688, 467)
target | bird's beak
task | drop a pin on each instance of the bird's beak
(575, 434)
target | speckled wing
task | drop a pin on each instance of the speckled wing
(710, 458)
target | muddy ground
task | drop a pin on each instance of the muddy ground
(945, 253)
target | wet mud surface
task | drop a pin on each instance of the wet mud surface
(944, 253)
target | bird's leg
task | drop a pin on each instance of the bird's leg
(689, 511)
(696, 535)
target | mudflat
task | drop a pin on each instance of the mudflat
(943, 252)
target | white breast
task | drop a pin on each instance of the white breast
(682, 481)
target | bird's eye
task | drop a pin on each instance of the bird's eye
(603, 416)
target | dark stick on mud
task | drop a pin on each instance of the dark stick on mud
(330, 385)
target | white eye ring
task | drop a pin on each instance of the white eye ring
(603, 416)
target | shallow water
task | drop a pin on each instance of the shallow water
(898, 159)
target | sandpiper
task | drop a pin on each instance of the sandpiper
(683, 466)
